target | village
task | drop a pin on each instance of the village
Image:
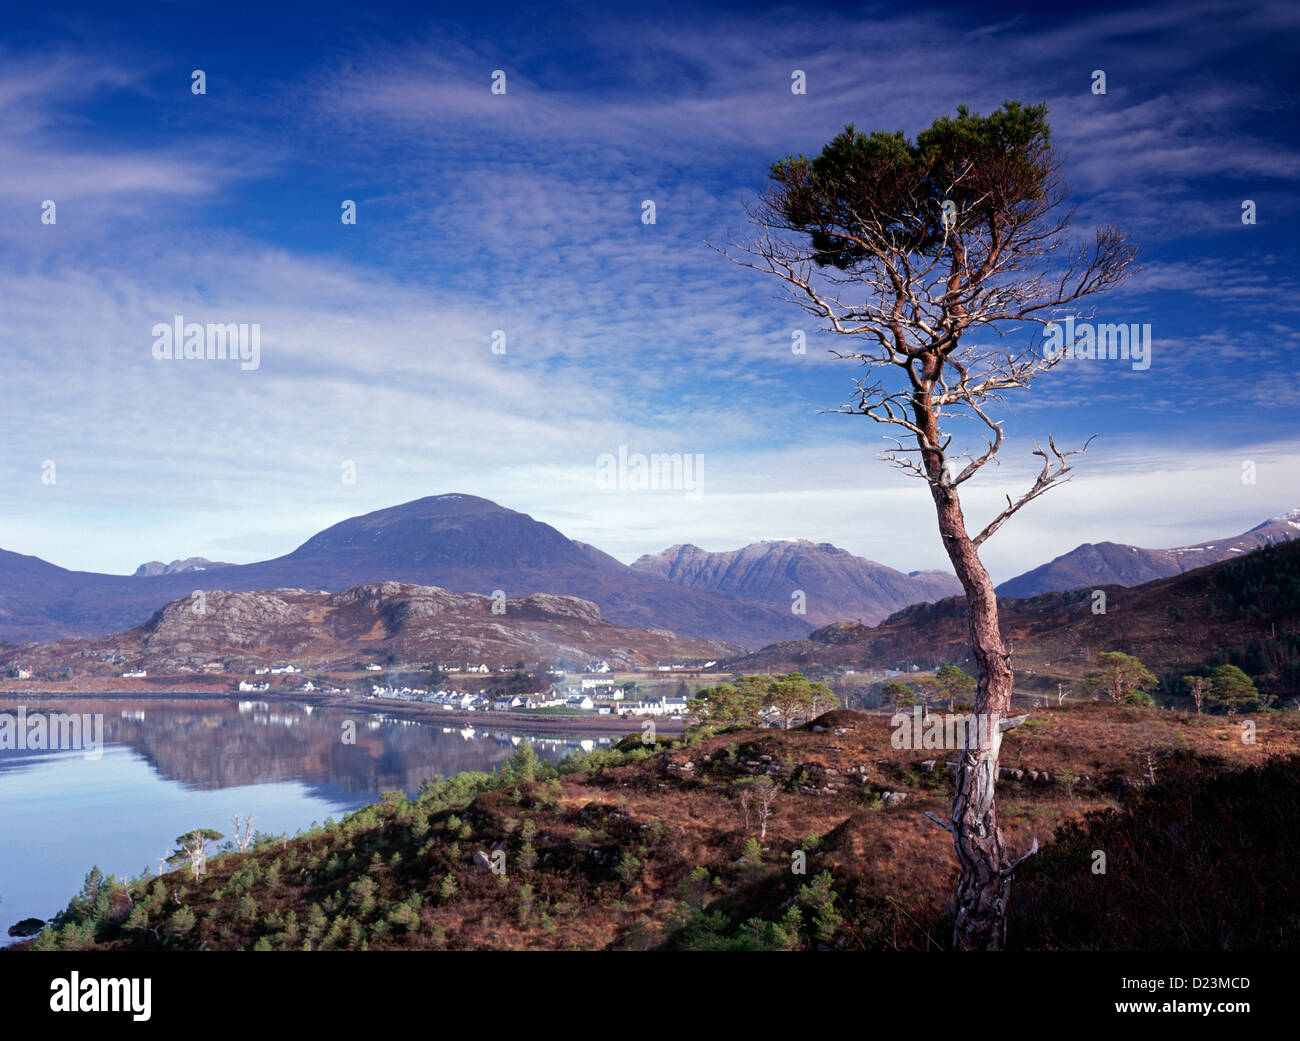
(594, 691)
(578, 690)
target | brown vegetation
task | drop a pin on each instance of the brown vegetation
(648, 846)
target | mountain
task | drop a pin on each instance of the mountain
(457, 542)
(370, 622)
(157, 567)
(1245, 610)
(836, 584)
(1112, 563)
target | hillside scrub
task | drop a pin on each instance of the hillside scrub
(647, 846)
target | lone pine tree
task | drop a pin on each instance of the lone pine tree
(932, 253)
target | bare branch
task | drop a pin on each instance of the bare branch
(1007, 871)
(945, 825)
(1046, 479)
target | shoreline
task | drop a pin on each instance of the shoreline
(422, 712)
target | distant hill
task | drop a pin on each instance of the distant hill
(412, 623)
(837, 585)
(176, 567)
(458, 542)
(1112, 563)
(1245, 610)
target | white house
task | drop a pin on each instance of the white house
(648, 708)
(582, 701)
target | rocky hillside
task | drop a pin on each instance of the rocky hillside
(836, 585)
(1112, 563)
(320, 630)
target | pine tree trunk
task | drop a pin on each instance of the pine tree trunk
(982, 887)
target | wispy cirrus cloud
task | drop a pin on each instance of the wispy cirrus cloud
(522, 213)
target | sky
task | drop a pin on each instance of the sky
(523, 212)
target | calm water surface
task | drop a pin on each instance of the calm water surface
(170, 766)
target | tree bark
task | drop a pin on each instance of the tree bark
(984, 882)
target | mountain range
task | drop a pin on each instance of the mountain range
(748, 597)
(1112, 563)
(1245, 610)
(457, 542)
(835, 585)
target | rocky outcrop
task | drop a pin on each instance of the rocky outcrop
(410, 623)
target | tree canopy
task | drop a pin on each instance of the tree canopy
(742, 702)
(988, 168)
(1231, 690)
(1118, 674)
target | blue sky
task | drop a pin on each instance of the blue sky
(522, 212)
